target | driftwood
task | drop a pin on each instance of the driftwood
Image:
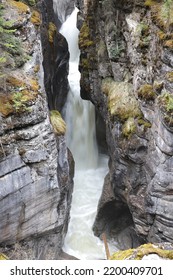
(106, 245)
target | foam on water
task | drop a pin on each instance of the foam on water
(90, 169)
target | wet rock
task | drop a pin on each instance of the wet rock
(36, 168)
(125, 44)
(55, 59)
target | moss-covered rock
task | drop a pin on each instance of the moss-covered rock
(51, 31)
(121, 100)
(146, 92)
(3, 257)
(165, 102)
(140, 252)
(168, 44)
(58, 124)
(22, 91)
(36, 18)
(162, 13)
(32, 2)
(169, 76)
(84, 36)
(145, 123)
(158, 86)
(129, 127)
(22, 8)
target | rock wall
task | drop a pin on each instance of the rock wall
(36, 168)
(126, 71)
(55, 58)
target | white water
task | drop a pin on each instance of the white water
(90, 169)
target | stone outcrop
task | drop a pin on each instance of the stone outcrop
(126, 71)
(161, 251)
(36, 168)
(55, 58)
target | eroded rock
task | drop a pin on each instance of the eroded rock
(36, 168)
(128, 43)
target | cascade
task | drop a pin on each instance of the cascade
(90, 169)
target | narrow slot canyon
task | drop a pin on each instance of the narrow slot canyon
(86, 146)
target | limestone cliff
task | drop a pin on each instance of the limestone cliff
(126, 69)
(36, 168)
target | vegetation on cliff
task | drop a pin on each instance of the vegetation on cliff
(18, 90)
(121, 101)
(140, 252)
(57, 122)
(165, 102)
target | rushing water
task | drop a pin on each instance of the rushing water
(90, 169)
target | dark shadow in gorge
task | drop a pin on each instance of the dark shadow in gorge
(114, 219)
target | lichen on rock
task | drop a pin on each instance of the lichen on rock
(146, 92)
(140, 252)
(51, 31)
(121, 101)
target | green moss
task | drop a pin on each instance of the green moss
(169, 76)
(146, 124)
(22, 8)
(10, 45)
(162, 13)
(146, 92)
(121, 100)
(3, 257)
(168, 44)
(32, 2)
(36, 18)
(165, 102)
(5, 105)
(84, 36)
(18, 100)
(140, 252)
(36, 68)
(129, 127)
(158, 86)
(14, 103)
(150, 3)
(84, 63)
(122, 255)
(51, 31)
(57, 122)
(165, 36)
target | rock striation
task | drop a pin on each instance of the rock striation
(36, 168)
(126, 71)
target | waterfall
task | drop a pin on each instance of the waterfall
(90, 169)
(80, 114)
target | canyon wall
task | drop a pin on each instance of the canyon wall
(36, 168)
(126, 71)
